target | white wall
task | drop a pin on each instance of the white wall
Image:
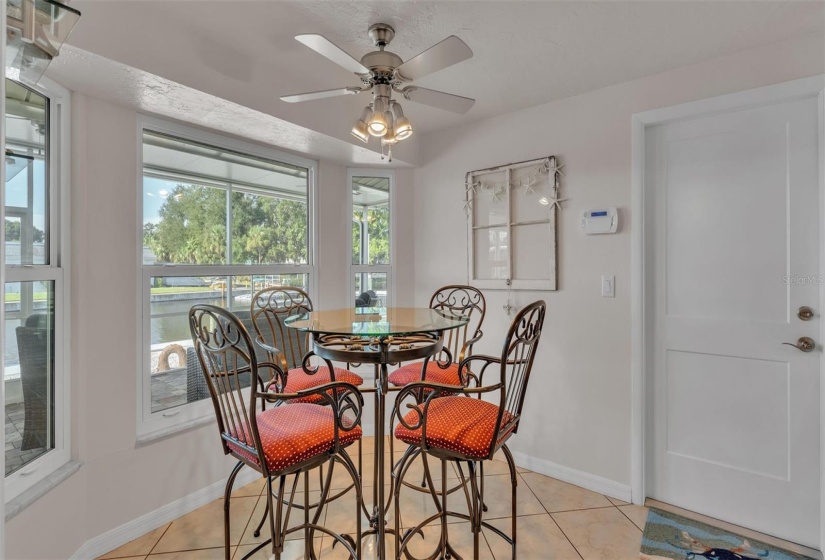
(119, 481)
(577, 412)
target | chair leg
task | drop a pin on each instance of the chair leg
(257, 532)
(397, 478)
(481, 469)
(444, 539)
(514, 485)
(227, 499)
(275, 519)
(355, 474)
(475, 512)
(307, 533)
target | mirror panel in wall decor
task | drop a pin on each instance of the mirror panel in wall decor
(511, 225)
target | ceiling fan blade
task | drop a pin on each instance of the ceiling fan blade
(438, 99)
(333, 52)
(310, 96)
(451, 50)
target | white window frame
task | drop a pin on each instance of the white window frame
(151, 426)
(373, 268)
(56, 271)
(544, 246)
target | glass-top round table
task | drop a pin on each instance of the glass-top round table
(380, 336)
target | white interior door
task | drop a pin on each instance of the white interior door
(736, 253)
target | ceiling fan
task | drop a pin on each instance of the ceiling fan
(382, 73)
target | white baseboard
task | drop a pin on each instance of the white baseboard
(131, 530)
(573, 476)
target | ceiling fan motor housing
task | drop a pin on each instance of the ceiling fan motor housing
(382, 62)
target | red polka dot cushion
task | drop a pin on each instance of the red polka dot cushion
(460, 424)
(294, 434)
(412, 372)
(299, 380)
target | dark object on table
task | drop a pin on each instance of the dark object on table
(366, 299)
(35, 347)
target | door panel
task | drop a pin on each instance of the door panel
(736, 253)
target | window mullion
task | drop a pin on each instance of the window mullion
(229, 260)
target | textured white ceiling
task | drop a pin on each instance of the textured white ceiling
(526, 53)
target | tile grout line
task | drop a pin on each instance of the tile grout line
(556, 523)
(248, 521)
(581, 509)
(161, 536)
(549, 515)
(628, 517)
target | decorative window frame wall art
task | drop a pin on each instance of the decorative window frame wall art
(511, 225)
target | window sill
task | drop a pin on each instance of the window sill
(24, 500)
(149, 437)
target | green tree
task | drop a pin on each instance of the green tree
(13, 232)
(378, 229)
(192, 219)
(378, 226)
(192, 228)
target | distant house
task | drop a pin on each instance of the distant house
(148, 256)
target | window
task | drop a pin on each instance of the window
(35, 359)
(221, 220)
(371, 247)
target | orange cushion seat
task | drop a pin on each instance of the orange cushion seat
(459, 424)
(294, 434)
(411, 373)
(299, 380)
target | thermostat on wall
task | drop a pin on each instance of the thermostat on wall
(604, 220)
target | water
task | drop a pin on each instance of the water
(175, 327)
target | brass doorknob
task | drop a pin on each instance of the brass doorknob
(805, 313)
(804, 344)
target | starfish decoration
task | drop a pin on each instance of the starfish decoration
(496, 193)
(556, 168)
(471, 187)
(556, 201)
(528, 186)
(468, 207)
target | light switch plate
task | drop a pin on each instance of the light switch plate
(608, 286)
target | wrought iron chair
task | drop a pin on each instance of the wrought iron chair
(457, 300)
(279, 441)
(450, 425)
(288, 347)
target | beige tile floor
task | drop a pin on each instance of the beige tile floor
(555, 520)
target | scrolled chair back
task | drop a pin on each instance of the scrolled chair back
(461, 300)
(226, 355)
(517, 357)
(270, 308)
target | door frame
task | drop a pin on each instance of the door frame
(641, 294)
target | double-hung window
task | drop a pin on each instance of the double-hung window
(221, 219)
(371, 204)
(36, 358)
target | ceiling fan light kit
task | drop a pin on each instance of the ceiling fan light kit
(360, 129)
(382, 72)
(35, 31)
